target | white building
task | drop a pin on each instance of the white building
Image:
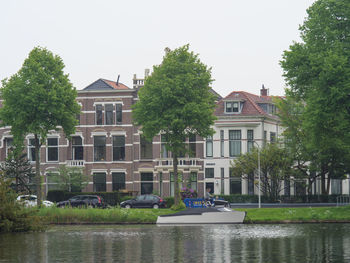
(243, 120)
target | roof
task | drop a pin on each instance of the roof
(104, 84)
(250, 101)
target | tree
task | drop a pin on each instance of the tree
(70, 179)
(317, 71)
(275, 166)
(19, 171)
(37, 99)
(176, 101)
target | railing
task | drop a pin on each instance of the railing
(75, 163)
(181, 162)
(343, 200)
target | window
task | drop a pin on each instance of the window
(265, 137)
(250, 140)
(251, 184)
(77, 148)
(193, 180)
(118, 113)
(164, 152)
(172, 185)
(209, 172)
(118, 181)
(222, 143)
(210, 186)
(99, 182)
(9, 145)
(222, 181)
(31, 150)
(235, 142)
(336, 186)
(272, 137)
(146, 148)
(300, 188)
(209, 146)
(98, 114)
(99, 148)
(109, 114)
(287, 186)
(52, 149)
(51, 183)
(78, 118)
(232, 106)
(192, 145)
(118, 148)
(235, 184)
(146, 183)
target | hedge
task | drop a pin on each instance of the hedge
(281, 199)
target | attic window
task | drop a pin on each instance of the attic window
(232, 107)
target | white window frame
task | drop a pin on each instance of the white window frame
(56, 146)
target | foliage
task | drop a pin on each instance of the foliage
(19, 171)
(176, 101)
(94, 215)
(37, 99)
(177, 207)
(70, 179)
(13, 216)
(188, 193)
(317, 71)
(169, 201)
(275, 166)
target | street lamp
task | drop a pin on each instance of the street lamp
(259, 193)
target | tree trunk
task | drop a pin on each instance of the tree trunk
(37, 170)
(176, 181)
(323, 181)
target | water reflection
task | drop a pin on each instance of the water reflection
(206, 243)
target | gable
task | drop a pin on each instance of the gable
(99, 85)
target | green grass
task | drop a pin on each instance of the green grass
(300, 214)
(101, 216)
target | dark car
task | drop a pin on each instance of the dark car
(83, 201)
(144, 201)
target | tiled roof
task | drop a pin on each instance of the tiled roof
(104, 84)
(250, 104)
(114, 85)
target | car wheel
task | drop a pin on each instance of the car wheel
(155, 206)
(127, 206)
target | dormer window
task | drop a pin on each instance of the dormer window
(232, 107)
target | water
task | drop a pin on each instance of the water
(204, 243)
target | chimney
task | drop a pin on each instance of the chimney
(118, 80)
(263, 91)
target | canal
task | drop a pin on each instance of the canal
(199, 243)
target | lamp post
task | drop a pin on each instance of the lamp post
(259, 186)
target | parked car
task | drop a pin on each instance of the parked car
(144, 201)
(31, 201)
(83, 201)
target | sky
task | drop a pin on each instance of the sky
(241, 40)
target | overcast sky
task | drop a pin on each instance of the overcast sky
(242, 40)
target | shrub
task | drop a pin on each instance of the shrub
(13, 216)
(169, 201)
(187, 193)
(178, 207)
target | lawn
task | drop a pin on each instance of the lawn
(300, 214)
(101, 216)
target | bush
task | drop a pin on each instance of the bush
(178, 207)
(188, 193)
(125, 197)
(169, 201)
(13, 216)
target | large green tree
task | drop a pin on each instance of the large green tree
(317, 71)
(37, 99)
(176, 101)
(70, 179)
(275, 166)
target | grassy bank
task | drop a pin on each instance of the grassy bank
(297, 215)
(101, 216)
